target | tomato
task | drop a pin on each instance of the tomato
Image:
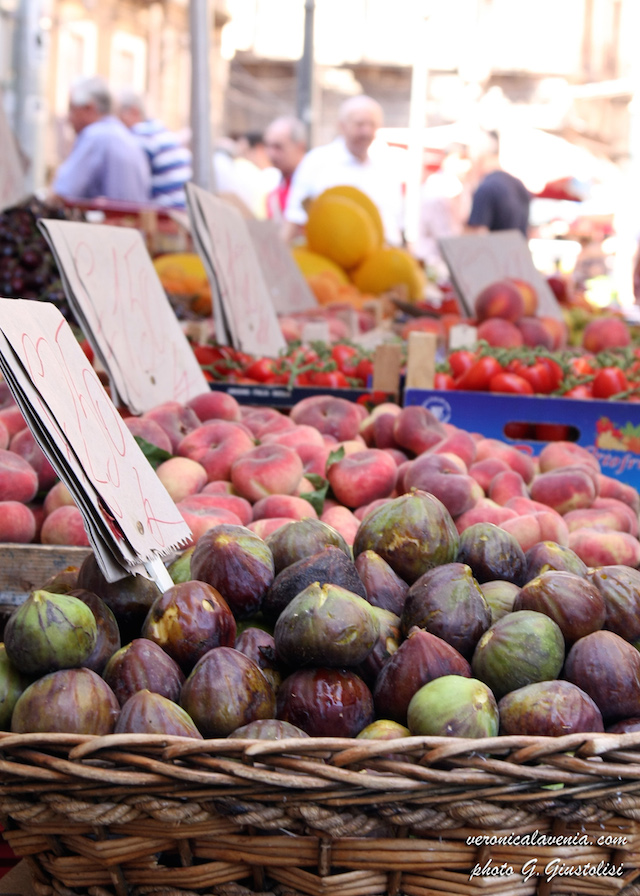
(346, 358)
(262, 370)
(444, 381)
(460, 361)
(556, 373)
(332, 379)
(538, 376)
(581, 366)
(510, 382)
(364, 370)
(477, 377)
(609, 381)
(583, 390)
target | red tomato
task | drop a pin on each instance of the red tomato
(556, 373)
(478, 376)
(583, 390)
(538, 376)
(444, 381)
(581, 366)
(262, 370)
(346, 357)
(460, 361)
(609, 381)
(510, 382)
(332, 379)
(364, 370)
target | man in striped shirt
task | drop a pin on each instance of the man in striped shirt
(169, 159)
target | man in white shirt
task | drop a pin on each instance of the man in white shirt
(350, 160)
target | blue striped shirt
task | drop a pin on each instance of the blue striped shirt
(169, 160)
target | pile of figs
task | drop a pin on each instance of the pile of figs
(415, 629)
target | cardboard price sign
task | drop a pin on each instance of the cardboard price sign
(129, 516)
(476, 260)
(243, 312)
(290, 292)
(11, 170)
(119, 302)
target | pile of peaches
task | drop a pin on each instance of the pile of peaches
(331, 458)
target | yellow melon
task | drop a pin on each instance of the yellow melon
(367, 204)
(340, 229)
(181, 272)
(311, 263)
(388, 267)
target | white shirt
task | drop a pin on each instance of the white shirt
(333, 165)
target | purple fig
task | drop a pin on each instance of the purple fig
(549, 709)
(607, 668)
(108, 638)
(268, 729)
(143, 665)
(325, 702)
(146, 712)
(570, 600)
(70, 701)
(384, 588)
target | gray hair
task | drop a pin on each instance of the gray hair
(91, 91)
(129, 99)
(296, 128)
(358, 102)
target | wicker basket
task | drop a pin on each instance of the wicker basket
(146, 814)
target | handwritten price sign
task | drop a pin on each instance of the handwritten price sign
(11, 171)
(290, 292)
(130, 518)
(113, 288)
(475, 261)
(245, 309)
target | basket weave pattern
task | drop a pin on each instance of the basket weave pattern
(128, 815)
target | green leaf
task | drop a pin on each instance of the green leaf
(335, 456)
(154, 455)
(316, 498)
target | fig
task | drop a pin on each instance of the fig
(12, 684)
(62, 582)
(412, 533)
(188, 620)
(328, 566)
(301, 538)
(268, 729)
(419, 659)
(108, 638)
(607, 668)
(226, 690)
(180, 569)
(549, 709)
(620, 590)
(328, 625)
(492, 553)
(325, 702)
(570, 600)
(383, 587)
(129, 598)
(447, 601)
(386, 645)
(147, 712)
(70, 701)
(383, 729)
(143, 665)
(260, 647)
(546, 555)
(453, 706)
(237, 563)
(50, 632)
(500, 596)
(522, 647)
(624, 726)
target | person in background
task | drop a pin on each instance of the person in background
(350, 159)
(106, 159)
(501, 201)
(169, 159)
(253, 174)
(285, 141)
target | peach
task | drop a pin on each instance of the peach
(17, 522)
(557, 330)
(216, 445)
(182, 477)
(4, 436)
(362, 476)
(366, 426)
(416, 429)
(525, 529)
(24, 444)
(605, 332)
(507, 485)
(305, 487)
(18, 479)
(485, 511)
(523, 505)
(266, 470)
(240, 506)
(37, 509)
(294, 436)
(438, 475)
(534, 332)
(399, 457)
(12, 419)
(330, 414)
(564, 489)
(361, 512)
(64, 525)
(402, 471)
(626, 514)
(383, 431)
(500, 333)
(215, 405)
(176, 419)
(500, 299)
(460, 443)
(455, 459)
(483, 471)
(58, 496)
(150, 431)
(201, 513)
(609, 487)
(293, 507)
(564, 454)
(528, 293)
(263, 421)
(588, 517)
(343, 521)
(265, 527)
(597, 546)
(552, 527)
(314, 458)
(218, 487)
(519, 461)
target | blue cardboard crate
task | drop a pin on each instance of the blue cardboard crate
(610, 430)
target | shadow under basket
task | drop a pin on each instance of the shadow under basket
(130, 815)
